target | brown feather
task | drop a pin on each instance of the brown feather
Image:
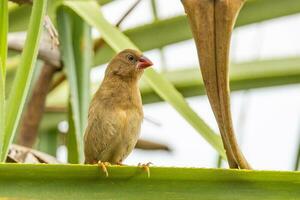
(115, 113)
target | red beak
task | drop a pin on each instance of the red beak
(144, 62)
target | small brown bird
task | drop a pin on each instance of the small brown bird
(115, 113)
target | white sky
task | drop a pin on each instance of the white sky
(270, 130)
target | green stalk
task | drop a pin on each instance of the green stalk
(24, 74)
(2, 107)
(74, 139)
(3, 57)
(297, 160)
(82, 46)
(3, 35)
(154, 10)
(161, 52)
(64, 22)
(76, 46)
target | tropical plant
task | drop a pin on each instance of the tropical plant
(62, 64)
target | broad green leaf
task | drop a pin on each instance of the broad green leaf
(24, 74)
(76, 51)
(3, 57)
(25, 181)
(90, 12)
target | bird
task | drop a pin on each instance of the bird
(115, 112)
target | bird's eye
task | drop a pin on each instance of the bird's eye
(131, 58)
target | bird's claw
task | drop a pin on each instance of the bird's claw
(103, 166)
(146, 167)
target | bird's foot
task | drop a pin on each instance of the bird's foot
(146, 167)
(103, 166)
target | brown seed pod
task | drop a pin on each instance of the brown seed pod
(212, 22)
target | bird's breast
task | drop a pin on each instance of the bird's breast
(132, 119)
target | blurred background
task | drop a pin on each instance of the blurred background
(265, 71)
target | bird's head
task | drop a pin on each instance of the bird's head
(128, 63)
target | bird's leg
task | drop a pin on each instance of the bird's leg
(103, 166)
(146, 167)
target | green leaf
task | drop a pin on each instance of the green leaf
(89, 11)
(2, 107)
(76, 51)
(297, 159)
(24, 74)
(25, 181)
(3, 35)
(3, 57)
(64, 29)
(82, 46)
(74, 153)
